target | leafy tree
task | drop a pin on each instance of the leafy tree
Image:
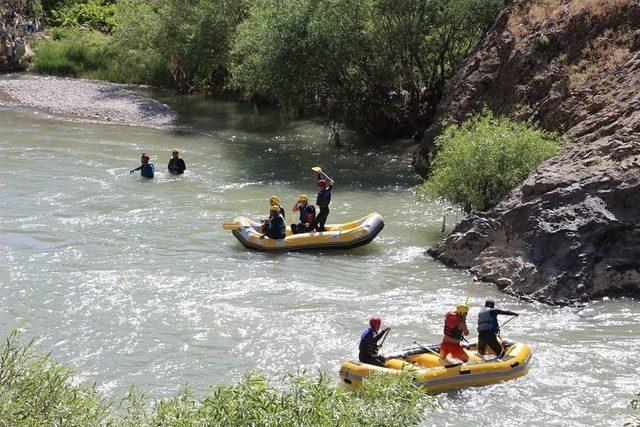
(376, 65)
(480, 161)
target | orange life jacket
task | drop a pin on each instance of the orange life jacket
(452, 323)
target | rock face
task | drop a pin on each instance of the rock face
(571, 231)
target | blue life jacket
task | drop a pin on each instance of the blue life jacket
(324, 197)
(147, 170)
(486, 322)
(277, 228)
(368, 344)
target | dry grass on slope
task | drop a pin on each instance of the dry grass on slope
(553, 12)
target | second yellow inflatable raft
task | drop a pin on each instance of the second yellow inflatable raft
(338, 236)
(436, 374)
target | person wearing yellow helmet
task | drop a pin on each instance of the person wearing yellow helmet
(275, 201)
(455, 328)
(275, 227)
(307, 215)
(176, 164)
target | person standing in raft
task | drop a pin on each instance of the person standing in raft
(307, 215)
(146, 169)
(369, 343)
(323, 200)
(176, 164)
(455, 328)
(488, 328)
(274, 228)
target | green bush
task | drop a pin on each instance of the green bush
(91, 54)
(193, 38)
(95, 14)
(72, 54)
(36, 391)
(479, 162)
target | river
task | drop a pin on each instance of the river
(134, 281)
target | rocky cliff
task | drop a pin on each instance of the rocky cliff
(571, 231)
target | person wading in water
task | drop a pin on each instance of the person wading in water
(176, 164)
(146, 169)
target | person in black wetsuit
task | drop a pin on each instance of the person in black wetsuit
(307, 215)
(369, 343)
(176, 164)
(488, 328)
(323, 200)
(146, 169)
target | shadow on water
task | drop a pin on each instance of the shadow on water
(268, 148)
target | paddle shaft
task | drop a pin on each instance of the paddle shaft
(426, 348)
(509, 320)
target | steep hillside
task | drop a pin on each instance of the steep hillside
(571, 231)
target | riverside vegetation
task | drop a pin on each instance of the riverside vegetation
(34, 390)
(480, 161)
(374, 65)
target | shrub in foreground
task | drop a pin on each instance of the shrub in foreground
(480, 161)
(37, 391)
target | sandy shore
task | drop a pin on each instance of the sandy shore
(94, 100)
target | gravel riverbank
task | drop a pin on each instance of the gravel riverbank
(94, 100)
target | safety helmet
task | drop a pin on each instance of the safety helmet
(489, 304)
(144, 157)
(274, 208)
(462, 309)
(274, 200)
(322, 183)
(303, 198)
(375, 322)
(175, 150)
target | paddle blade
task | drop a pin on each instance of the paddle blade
(316, 169)
(231, 226)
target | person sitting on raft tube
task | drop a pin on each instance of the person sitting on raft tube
(369, 343)
(176, 164)
(323, 200)
(455, 328)
(488, 328)
(307, 215)
(146, 169)
(275, 228)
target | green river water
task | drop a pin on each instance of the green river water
(134, 281)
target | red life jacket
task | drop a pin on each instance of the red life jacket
(452, 322)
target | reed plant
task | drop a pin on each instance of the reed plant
(34, 390)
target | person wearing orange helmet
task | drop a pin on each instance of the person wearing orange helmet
(455, 328)
(146, 169)
(370, 342)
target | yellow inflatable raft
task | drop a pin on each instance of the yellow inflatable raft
(338, 236)
(436, 374)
